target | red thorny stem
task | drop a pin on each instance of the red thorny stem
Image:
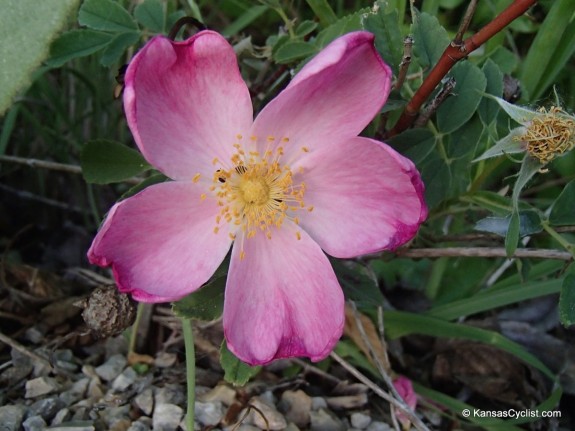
(452, 54)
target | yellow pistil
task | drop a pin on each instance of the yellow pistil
(549, 135)
(255, 191)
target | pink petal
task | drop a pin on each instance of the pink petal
(161, 242)
(365, 196)
(282, 299)
(333, 98)
(186, 102)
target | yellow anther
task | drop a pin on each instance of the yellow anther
(271, 138)
(298, 236)
(203, 196)
(305, 149)
(216, 229)
(196, 178)
(232, 236)
(215, 161)
(285, 139)
(238, 136)
(310, 208)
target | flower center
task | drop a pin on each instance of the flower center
(549, 135)
(256, 191)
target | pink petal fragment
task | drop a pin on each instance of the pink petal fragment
(161, 242)
(334, 97)
(282, 299)
(365, 196)
(404, 388)
(185, 103)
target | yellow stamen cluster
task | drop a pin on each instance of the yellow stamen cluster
(549, 135)
(255, 191)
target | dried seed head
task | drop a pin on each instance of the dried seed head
(107, 312)
(549, 134)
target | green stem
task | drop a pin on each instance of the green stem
(135, 326)
(555, 235)
(286, 20)
(190, 371)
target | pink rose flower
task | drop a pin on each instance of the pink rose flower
(280, 188)
(404, 388)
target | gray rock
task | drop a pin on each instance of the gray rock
(360, 420)
(76, 392)
(62, 416)
(34, 423)
(322, 420)
(74, 426)
(113, 415)
(318, 403)
(124, 380)
(347, 402)
(170, 394)
(209, 413)
(47, 408)
(379, 426)
(167, 417)
(139, 426)
(222, 393)
(40, 386)
(275, 420)
(145, 401)
(112, 368)
(11, 417)
(296, 405)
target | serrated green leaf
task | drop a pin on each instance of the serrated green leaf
(151, 15)
(429, 39)
(323, 11)
(563, 210)
(459, 108)
(529, 224)
(488, 109)
(512, 237)
(27, 28)
(294, 50)
(342, 26)
(117, 47)
(237, 373)
(507, 145)
(358, 283)
(383, 22)
(106, 15)
(207, 303)
(106, 162)
(567, 301)
(77, 43)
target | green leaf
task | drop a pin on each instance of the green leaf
(563, 211)
(342, 26)
(429, 39)
(459, 108)
(529, 224)
(491, 201)
(358, 282)
(151, 15)
(207, 303)
(305, 28)
(567, 301)
(106, 15)
(518, 113)
(106, 162)
(294, 50)
(27, 27)
(237, 373)
(150, 181)
(117, 47)
(488, 109)
(383, 22)
(399, 324)
(510, 144)
(529, 167)
(492, 299)
(512, 237)
(244, 20)
(323, 11)
(552, 47)
(77, 43)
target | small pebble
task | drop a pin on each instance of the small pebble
(124, 380)
(112, 368)
(11, 417)
(145, 401)
(360, 420)
(275, 420)
(34, 423)
(296, 405)
(74, 426)
(322, 420)
(47, 408)
(62, 416)
(209, 413)
(379, 426)
(40, 386)
(139, 426)
(222, 393)
(318, 403)
(167, 417)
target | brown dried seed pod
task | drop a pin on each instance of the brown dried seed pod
(107, 312)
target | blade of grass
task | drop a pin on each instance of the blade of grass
(323, 11)
(244, 20)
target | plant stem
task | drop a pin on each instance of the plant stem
(452, 54)
(190, 371)
(526, 253)
(134, 331)
(555, 235)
